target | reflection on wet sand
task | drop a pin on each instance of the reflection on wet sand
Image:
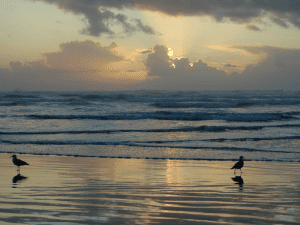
(136, 191)
(17, 179)
(239, 180)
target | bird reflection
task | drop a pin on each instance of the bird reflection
(239, 180)
(18, 178)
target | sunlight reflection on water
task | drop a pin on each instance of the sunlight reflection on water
(137, 191)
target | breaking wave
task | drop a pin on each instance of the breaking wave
(171, 115)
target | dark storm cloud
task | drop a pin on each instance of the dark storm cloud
(235, 10)
(100, 17)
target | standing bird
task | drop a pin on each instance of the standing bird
(18, 162)
(239, 164)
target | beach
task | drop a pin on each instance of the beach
(135, 112)
(92, 190)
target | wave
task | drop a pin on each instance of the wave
(181, 129)
(257, 139)
(221, 103)
(171, 115)
(19, 99)
(19, 96)
(157, 100)
(14, 103)
(105, 97)
(155, 144)
(75, 101)
(93, 155)
(92, 97)
(209, 104)
(297, 137)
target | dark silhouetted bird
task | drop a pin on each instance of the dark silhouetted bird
(18, 162)
(239, 164)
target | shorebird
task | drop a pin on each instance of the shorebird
(239, 164)
(18, 162)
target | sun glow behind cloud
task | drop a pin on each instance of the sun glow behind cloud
(239, 58)
(201, 37)
(196, 38)
(33, 32)
(173, 31)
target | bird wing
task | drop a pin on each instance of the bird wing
(235, 166)
(21, 162)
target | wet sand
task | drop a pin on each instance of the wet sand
(82, 190)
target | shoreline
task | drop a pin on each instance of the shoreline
(148, 158)
(93, 190)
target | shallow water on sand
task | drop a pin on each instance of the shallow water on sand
(82, 190)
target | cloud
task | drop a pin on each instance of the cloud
(146, 52)
(82, 55)
(88, 65)
(242, 11)
(159, 63)
(37, 76)
(253, 27)
(280, 22)
(279, 69)
(145, 28)
(100, 16)
(177, 74)
(228, 65)
(79, 65)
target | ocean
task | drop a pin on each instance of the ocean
(195, 125)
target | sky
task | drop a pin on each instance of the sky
(96, 45)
